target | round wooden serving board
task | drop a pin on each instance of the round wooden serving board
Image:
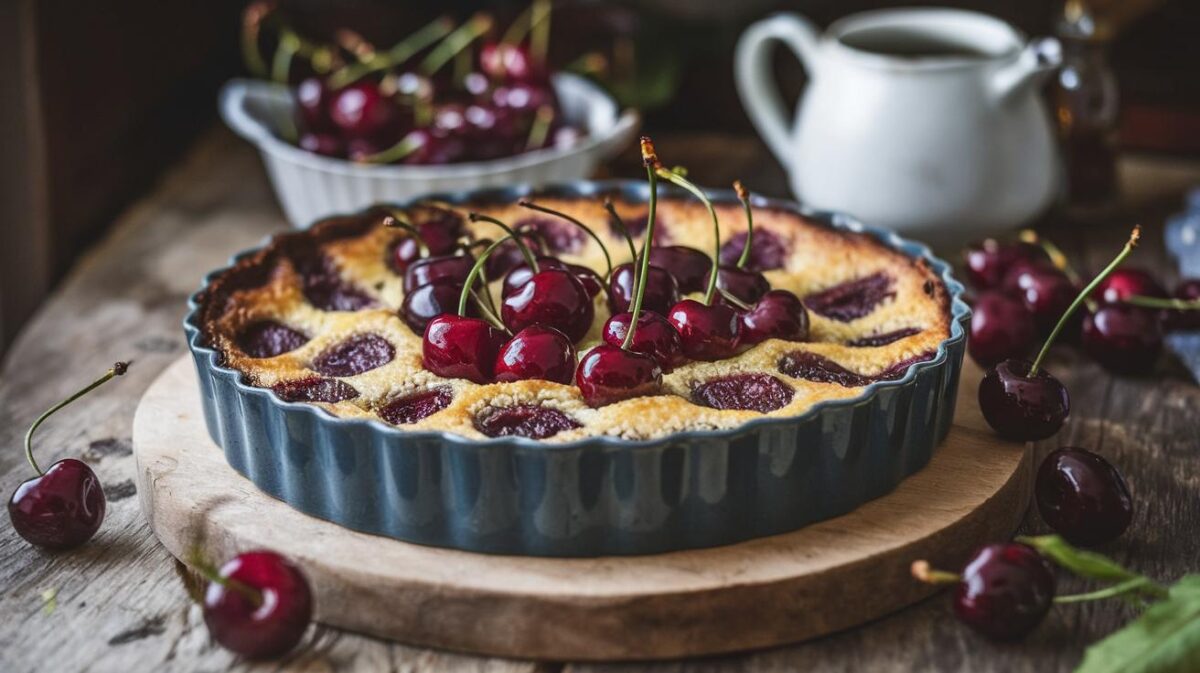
(828, 576)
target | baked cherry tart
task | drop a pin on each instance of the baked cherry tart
(564, 315)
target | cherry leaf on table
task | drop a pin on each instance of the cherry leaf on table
(1165, 639)
(1085, 563)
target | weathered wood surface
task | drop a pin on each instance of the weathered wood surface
(121, 608)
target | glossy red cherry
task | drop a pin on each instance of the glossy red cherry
(1045, 291)
(654, 337)
(747, 286)
(662, 291)
(508, 255)
(447, 268)
(536, 352)
(1187, 290)
(1023, 407)
(1126, 282)
(522, 273)
(1006, 590)
(689, 266)
(779, 314)
(1001, 328)
(312, 104)
(609, 374)
(554, 298)
(461, 348)
(707, 332)
(1082, 497)
(989, 261)
(60, 509)
(440, 229)
(259, 606)
(361, 111)
(430, 301)
(1125, 339)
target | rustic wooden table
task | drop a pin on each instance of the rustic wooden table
(119, 605)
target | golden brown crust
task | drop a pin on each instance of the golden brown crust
(267, 285)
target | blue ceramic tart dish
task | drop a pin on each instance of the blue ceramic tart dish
(600, 495)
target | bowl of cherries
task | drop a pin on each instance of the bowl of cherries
(344, 124)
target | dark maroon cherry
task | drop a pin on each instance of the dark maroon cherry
(267, 338)
(524, 420)
(417, 406)
(361, 111)
(1045, 291)
(752, 392)
(1006, 590)
(430, 301)
(706, 332)
(312, 104)
(554, 298)
(779, 314)
(521, 273)
(461, 348)
(989, 261)
(591, 280)
(358, 354)
(1082, 497)
(433, 147)
(748, 286)
(325, 144)
(536, 352)
(852, 299)
(62, 507)
(767, 251)
(662, 290)
(59, 509)
(315, 389)
(505, 62)
(507, 256)
(1023, 407)
(445, 268)
(560, 236)
(259, 606)
(523, 97)
(1187, 290)
(689, 266)
(440, 228)
(609, 374)
(1126, 282)
(1001, 328)
(402, 254)
(1126, 339)
(654, 337)
(883, 338)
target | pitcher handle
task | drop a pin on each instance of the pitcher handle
(1036, 61)
(757, 88)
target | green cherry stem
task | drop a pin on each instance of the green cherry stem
(472, 276)
(586, 229)
(540, 128)
(460, 39)
(516, 238)
(644, 259)
(397, 55)
(1057, 258)
(1136, 585)
(539, 27)
(1087, 291)
(210, 572)
(620, 224)
(405, 147)
(285, 51)
(117, 370)
(744, 197)
(923, 572)
(1159, 302)
(674, 177)
(392, 220)
(733, 300)
(252, 21)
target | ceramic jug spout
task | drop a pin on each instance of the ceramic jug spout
(1036, 61)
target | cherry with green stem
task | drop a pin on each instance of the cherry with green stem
(744, 197)
(516, 238)
(1019, 399)
(575, 221)
(397, 55)
(63, 506)
(456, 41)
(543, 119)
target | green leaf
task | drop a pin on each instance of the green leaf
(1165, 639)
(1085, 563)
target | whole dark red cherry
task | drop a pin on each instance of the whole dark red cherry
(461, 348)
(654, 337)
(748, 286)
(361, 111)
(507, 255)
(505, 62)
(1082, 497)
(689, 266)
(707, 332)
(521, 273)
(1124, 338)
(403, 254)
(778, 315)
(554, 298)
(1006, 590)
(440, 229)
(429, 301)
(60, 509)
(988, 261)
(325, 144)
(260, 606)
(1023, 407)
(1045, 291)
(312, 104)
(536, 352)
(1187, 290)
(662, 290)
(446, 268)
(1001, 328)
(1126, 282)
(609, 374)
(523, 97)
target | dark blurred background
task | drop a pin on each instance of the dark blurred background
(97, 99)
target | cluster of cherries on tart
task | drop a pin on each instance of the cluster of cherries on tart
(414, 103)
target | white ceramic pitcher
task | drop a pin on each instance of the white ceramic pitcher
(927, 121)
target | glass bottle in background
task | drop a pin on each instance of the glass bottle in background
(1086, 104)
